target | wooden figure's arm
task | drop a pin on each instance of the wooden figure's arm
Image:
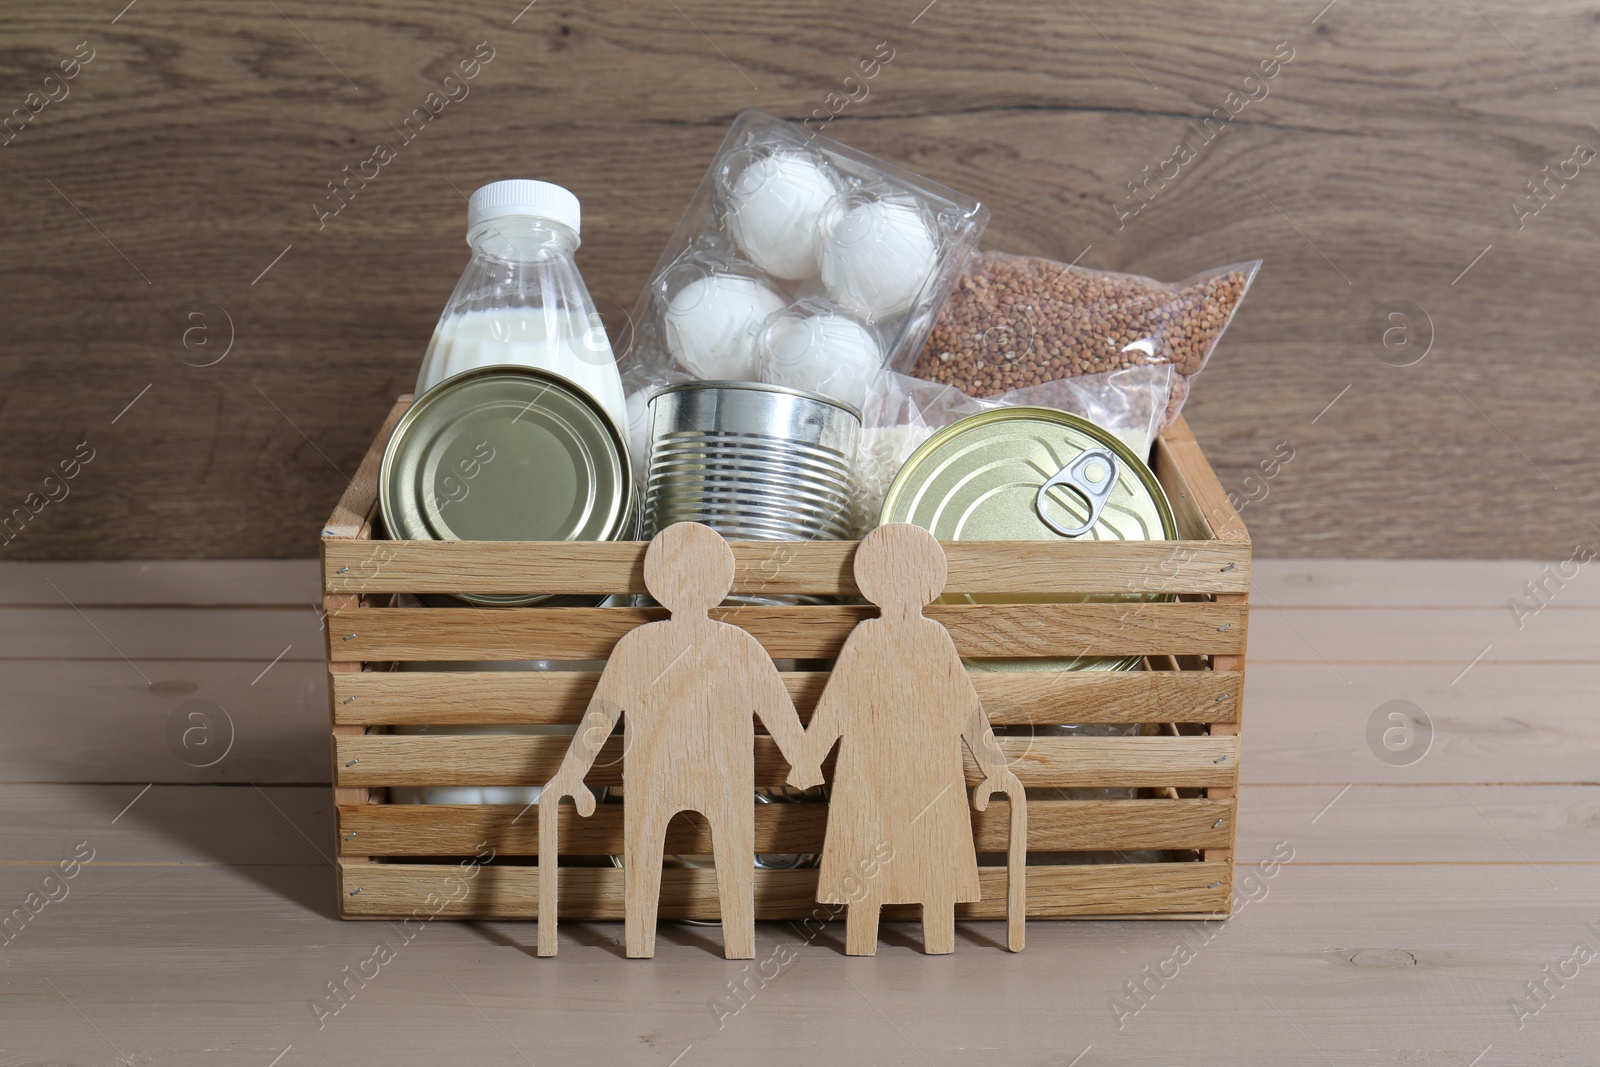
(979, 737)
(775, 708)
(598, 721)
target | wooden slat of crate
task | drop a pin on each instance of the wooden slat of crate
(351, 516)
(379, 634)
(821, 568)
(1053, 826)
(1203, 511)
(1198, 501)
(1230, 728)
(379, 698)
(393, 760)
(351, 519)
(399, 890)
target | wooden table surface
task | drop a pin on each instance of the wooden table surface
(1419, 903)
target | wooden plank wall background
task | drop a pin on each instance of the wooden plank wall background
(159, 206)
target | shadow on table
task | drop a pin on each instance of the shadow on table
(279, 837)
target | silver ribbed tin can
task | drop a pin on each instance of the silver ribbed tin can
(754, 462)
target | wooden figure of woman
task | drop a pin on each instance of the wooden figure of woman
(900, 704)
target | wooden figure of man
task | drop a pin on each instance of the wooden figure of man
(901, 705)
(687, 688)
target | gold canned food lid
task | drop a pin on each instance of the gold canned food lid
(506, 454)
(984, 478)
(1031, 474)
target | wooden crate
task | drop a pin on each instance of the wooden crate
(400, 860)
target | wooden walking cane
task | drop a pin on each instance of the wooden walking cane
(567, 782)
(548, 813)
(1016, 869)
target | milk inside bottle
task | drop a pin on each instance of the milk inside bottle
(521, 300)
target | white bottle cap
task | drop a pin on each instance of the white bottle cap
(520, 196)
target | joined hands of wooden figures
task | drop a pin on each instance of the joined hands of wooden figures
(899, 703)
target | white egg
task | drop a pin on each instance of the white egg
(774, 211)
(826, 353)
(876, 256)
(711, 325)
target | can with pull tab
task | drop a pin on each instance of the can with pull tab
(1032, 474)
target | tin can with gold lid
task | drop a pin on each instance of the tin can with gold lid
(507, 454)
(1032, 474)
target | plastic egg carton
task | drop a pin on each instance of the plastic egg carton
(800, 262)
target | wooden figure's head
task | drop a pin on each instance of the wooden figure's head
(900, 568)
(688, 568)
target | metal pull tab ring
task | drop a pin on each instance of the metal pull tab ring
(1092, 475)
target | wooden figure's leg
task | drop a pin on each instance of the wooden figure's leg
(644, 840)
(861, 929)
(938, 928)
(733, 845)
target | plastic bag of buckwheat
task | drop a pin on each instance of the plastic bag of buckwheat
(1017, 322)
